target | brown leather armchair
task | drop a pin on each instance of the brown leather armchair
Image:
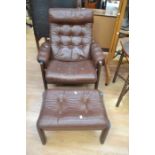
(70, 56)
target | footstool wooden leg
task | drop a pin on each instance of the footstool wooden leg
(42, 136)
(104, 135)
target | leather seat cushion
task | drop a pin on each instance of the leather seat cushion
(72, 109)
(71, 72)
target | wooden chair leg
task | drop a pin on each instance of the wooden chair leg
(96, 85)
(118, 67)
(37, 42)
(43, 76)
(42, 136)
(123, 92)
(98, 74)
(107, 74)
(104, 135)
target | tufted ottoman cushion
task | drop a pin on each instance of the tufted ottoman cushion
(72, 110)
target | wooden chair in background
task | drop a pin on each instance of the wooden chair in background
(116, 35)
(125, 53)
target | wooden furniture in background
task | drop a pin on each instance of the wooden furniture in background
(115, 37)
(125, 53)
(89, 4)
(123, 92)
(103, 28)
(118, 22)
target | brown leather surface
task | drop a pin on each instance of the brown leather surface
(72, 110)
(44, 53)
(70, 41)
(71, 72)
(96, 53)
(70, 16)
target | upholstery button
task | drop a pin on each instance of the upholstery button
(70, 46)
(58, 43)
(85, 99)
(82, 34)
(69, 43)
(70, 33)
(81, 46)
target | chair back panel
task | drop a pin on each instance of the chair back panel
(39, 12)
(70, 33)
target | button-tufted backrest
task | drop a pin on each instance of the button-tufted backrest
(70, 33)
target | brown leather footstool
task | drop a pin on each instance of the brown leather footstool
(71, 109)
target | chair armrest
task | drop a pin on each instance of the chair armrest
(44, 53)
(96, 54)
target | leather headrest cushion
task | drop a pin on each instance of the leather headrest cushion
(70, 16)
